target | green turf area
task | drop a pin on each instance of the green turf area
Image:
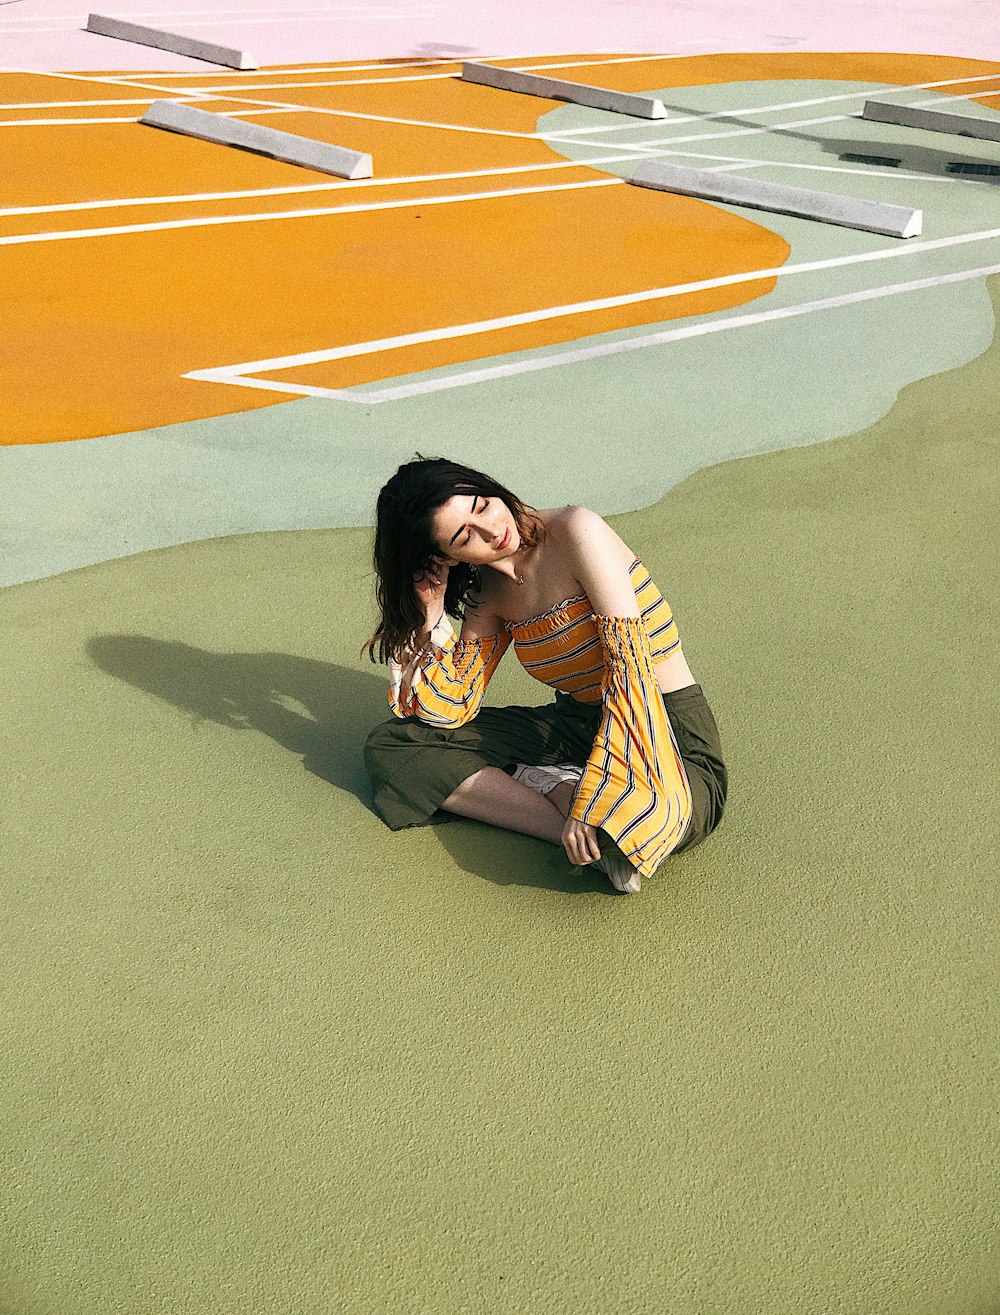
(262, 1056)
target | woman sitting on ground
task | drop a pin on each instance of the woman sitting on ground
(624, 767)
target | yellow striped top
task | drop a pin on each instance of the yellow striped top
(634, 784)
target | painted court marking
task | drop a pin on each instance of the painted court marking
(210, 221)
(725, 161)
(643, 150)
(22, 239)
(467, 377)
(239, 374)
(215, 92)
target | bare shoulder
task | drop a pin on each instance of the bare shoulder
(576, 530)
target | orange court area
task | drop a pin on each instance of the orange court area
(106, 323)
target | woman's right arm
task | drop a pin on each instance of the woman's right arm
(441, 680)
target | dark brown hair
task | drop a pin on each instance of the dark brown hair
(405, 547)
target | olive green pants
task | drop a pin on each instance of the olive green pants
(413, 767)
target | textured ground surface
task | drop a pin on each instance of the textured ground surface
(261, 1056)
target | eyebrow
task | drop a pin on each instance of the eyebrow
(462, 527)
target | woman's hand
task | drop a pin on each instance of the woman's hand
(579, 839)
(430, 590)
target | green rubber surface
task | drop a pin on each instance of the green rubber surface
(262, 1056)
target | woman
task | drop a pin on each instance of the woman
(624, 768)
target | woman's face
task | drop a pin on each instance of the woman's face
(475, 529)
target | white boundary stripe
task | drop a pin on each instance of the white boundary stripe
(614, 127)
(292, 108)
(723, 163)
(21, 239)
(58, 123)
(228, 373)
(81, 104)
(641, 153)
(198, 93)
(300, 70)
(643, 147)
(410, 179)
(800, 104)
(647, 340)
(727, 162)
(204, 95)
(250, 193)
(590, 162)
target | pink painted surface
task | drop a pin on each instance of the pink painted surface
(47, 34)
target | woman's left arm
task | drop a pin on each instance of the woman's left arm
(634, 755)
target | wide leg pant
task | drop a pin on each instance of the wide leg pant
(414, 767)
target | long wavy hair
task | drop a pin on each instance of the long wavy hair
(405, 546)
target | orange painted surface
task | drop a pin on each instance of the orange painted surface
(16, 88)
(611, 234)
(102, 329)
(402, 150)
(161, 304)
(90, 162)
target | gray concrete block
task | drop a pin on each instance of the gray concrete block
(618, 102)
(826, 207)
(105, 26)
(286, 146)
(912, 116)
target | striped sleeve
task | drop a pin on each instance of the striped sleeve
(634, 786)
(443, 684)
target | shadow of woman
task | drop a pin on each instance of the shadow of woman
(322, 711)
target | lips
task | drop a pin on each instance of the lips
(504, 541)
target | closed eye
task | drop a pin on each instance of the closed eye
(475, 501)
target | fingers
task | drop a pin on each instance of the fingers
(580, 843)
(433, 581)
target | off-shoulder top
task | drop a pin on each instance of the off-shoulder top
(634, 785)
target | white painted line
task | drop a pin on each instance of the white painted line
(577, 93)
(250, 193)
(59, 123)
(431, 63)
(413, 202)
(647, 340)
(292, 149)
(779, 198)
(292, 108)
(798, 104)
(224, 373)
(197, 94)
(104, 26)
(665, 141)
(216, 90)
(295, 71)
(76, 104)
(183, 198)
(641, 152)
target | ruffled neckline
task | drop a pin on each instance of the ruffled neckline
(543, 617)
(564, 606)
